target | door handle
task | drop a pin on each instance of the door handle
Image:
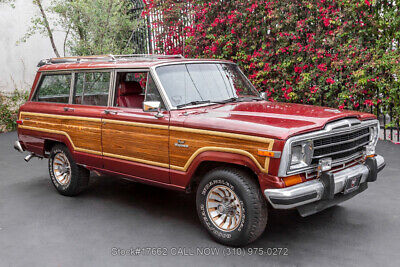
(111, 112)
(68, 109)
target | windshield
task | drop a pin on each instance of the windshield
(197, 83)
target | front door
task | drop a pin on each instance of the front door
(135, 143)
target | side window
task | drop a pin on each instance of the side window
(54, 88)
(91, 88)
(152, 93)
(130, 89)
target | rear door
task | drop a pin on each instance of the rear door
(135, 142)
(90, 98)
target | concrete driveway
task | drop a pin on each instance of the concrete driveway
(39, 227)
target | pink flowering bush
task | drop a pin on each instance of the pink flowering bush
(337, 53)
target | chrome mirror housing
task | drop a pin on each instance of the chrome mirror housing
(151, 106)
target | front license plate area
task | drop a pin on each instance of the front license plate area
(352, 184)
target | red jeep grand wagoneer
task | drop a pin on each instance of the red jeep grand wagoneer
(196, 126)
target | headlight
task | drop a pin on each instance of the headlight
(374, 134)
(301, 155)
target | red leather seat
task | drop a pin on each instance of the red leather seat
(130, 95)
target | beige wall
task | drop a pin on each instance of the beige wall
(18, 63)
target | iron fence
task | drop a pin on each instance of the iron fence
(390, 127)
(140, 39)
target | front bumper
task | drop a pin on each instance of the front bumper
(327, 190)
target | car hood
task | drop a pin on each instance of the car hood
(267, 119)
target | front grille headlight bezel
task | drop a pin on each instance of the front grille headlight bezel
(373, 137)
(374, 133)
(301, 155)
(329, 130)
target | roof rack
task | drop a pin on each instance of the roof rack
(108, 58)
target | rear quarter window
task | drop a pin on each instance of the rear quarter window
(54, 88)
(91, 88)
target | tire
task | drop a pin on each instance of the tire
(239, 219)
(68, 178)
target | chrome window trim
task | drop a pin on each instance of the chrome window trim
(132, 70)
(79, 70)
(330, 129)
(111, 90)
(161, 88)
(167, 63)
(72, 88)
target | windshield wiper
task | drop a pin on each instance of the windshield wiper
(229, 100)
(238, 99)
(193, 103)
(244, 99)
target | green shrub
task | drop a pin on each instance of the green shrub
(9, 105)
(337, 53)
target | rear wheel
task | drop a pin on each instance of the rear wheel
(68, 178)
(231, 207)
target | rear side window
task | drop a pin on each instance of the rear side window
(54, 88)
(91, 88)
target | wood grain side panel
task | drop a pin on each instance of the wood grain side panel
(136, 143)
(197, 142)
(85, 135)
(146, 143)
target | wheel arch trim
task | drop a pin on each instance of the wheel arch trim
(186, 178)
(199, 155)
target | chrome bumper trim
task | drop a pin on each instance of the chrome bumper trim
(18, 147)
(307, 192)
(380, 162)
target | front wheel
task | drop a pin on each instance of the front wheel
(68, 178)
(231, 207)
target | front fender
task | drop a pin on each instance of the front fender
(183, 178)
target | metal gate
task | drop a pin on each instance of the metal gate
(141, 36)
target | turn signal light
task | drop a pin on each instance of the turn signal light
(266, 153)
(292, 180)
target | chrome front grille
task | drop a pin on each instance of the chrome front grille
(340, 145)
(344, 141)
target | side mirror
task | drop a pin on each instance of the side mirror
(153, 106)
(150, 106)
(263, 95)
